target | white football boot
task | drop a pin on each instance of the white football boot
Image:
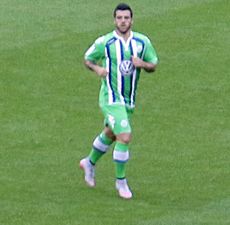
(123, 189)
(89, 170)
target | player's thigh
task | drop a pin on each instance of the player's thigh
(117, 119)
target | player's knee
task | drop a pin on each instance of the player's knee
(124, 138)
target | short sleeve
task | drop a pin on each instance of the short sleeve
(96, 50)
(150, 54)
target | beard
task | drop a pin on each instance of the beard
(123, 30)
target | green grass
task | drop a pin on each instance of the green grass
(180, 165)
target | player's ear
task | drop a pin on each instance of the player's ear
(132, 21)
(114, 20)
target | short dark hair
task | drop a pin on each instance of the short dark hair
(123, 6)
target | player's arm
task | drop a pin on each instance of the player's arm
(95, 54)
(149, 60)
(99, 70)
(147, 66)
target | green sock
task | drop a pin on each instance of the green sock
(120, 158)
(95, 155)
(100, 146)
(105, 139)
(120, 170)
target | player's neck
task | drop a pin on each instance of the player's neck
(125, 35)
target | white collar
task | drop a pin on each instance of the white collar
(125, 43)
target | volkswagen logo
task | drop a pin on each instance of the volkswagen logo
(126, 68)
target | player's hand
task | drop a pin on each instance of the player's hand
(101, 71)
(137, 62)
(147, 66)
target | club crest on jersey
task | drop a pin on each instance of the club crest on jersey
(139, 48)
(126, 68)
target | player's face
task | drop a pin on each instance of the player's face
(123, 21)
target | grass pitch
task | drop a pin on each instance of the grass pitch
(180, 165)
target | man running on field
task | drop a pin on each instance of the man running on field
(117, 58)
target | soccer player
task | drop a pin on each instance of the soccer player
(117, 58)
